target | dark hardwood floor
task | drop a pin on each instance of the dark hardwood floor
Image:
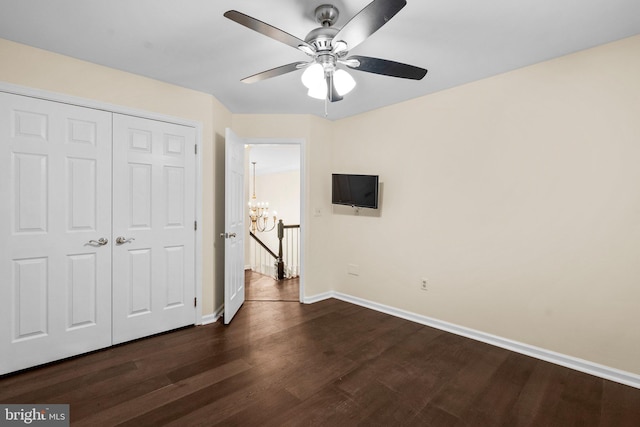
(329, 363)
(264, 288)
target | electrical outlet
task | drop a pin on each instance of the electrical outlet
(423, 284)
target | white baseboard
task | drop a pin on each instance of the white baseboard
(601, 371)
(212, 318)
(318, 297)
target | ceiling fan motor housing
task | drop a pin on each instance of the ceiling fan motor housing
(320, 38)
(326, 15)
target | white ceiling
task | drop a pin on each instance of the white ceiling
(189, 42)
(276, 158)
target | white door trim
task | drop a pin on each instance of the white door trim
(112, 108)
(303, 199)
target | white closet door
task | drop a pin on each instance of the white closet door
(55, 182)
(154, 213)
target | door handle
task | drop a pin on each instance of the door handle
(101, 241)
(121, 240)
(228, 235)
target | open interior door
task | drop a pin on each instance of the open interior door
(233, 225)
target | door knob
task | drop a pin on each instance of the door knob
(120, 240)
(101, 241)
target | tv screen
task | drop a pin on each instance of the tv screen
(355, 190)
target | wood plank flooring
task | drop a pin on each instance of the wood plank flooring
(329, 363)
(265, 288)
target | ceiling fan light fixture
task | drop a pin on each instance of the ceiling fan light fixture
(319, 91)
(344, 82)
(313, 76)
(315, 80)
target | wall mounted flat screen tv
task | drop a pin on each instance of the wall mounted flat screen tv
(355, 190)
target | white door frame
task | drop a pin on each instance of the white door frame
(98, 105)
(303, 229)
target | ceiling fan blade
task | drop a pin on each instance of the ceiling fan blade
(274, 72)
(332, 93)
(368, 21)
(384, 67)
(269, 31)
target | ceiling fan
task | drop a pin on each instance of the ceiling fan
(329, 46)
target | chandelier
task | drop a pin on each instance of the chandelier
(259, 211)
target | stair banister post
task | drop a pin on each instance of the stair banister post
(280, 259)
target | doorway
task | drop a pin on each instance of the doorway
(273, 175)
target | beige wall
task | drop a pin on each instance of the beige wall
(39, 69)
(517, 196)
(282, 191)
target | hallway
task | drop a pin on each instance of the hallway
(265, 288)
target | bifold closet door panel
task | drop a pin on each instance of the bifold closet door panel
(55, 231)
(153, 227)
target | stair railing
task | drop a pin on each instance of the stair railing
(284, 264)
(291, 253)
(263, 259)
